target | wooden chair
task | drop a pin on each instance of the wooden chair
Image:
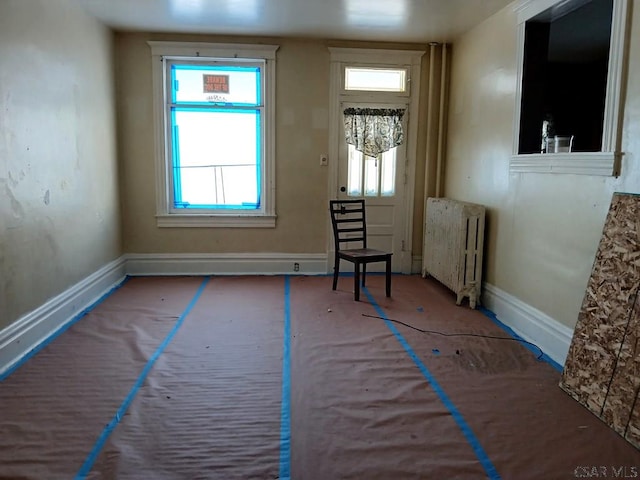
(349, 225)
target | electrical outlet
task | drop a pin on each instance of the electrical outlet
(296, 267)
(324, 160)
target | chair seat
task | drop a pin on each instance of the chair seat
(361, 254)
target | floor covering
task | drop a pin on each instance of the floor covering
(279, 377)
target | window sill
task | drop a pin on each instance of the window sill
(579, 163)
(216, 221)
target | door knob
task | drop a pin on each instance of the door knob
(343, 189)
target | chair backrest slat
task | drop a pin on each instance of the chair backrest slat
(349, 222)
(351, 239)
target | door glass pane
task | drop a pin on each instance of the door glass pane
(371, 176)
(354, 181)
(388, 174)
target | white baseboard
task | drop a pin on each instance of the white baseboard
(26, 335)
(531, 324)
(226, 263)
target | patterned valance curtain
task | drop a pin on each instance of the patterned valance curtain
(373, 130)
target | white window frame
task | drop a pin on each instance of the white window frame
(607, 162)
(166, 216)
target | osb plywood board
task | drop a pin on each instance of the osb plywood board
(587, 372)
(632, 372)
(601, 371)
(620, 399)
(632, 434)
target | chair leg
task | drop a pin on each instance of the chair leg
(336, 271)
(388, 278)
(356, 282)
(364, 273)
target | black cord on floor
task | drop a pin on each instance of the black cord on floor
(434, 332)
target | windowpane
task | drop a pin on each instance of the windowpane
(216, 158)
(371, 176)
(222, 187)
(388, 174)
(354, 188)
(379, 177)
(237, 85)
(375, 79)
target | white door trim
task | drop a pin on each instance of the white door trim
(374, 57)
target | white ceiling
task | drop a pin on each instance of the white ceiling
(419, 21)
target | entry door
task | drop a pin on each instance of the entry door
(381, 182)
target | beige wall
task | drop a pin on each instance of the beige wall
(302, 134)
(302, 94)
(543, 229)
(59, 208)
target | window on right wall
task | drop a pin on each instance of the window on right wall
(570, 79)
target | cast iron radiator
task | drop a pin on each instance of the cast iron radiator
(453, 245)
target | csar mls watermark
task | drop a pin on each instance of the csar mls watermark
(606, 471)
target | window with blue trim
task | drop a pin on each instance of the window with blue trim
(215, 117)
(214, 120)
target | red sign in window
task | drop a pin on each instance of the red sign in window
(215, 83)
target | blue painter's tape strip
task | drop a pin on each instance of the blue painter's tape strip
(95, 451)
(59, 332)
(492, 316)
(285, 418)
(482, 456)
